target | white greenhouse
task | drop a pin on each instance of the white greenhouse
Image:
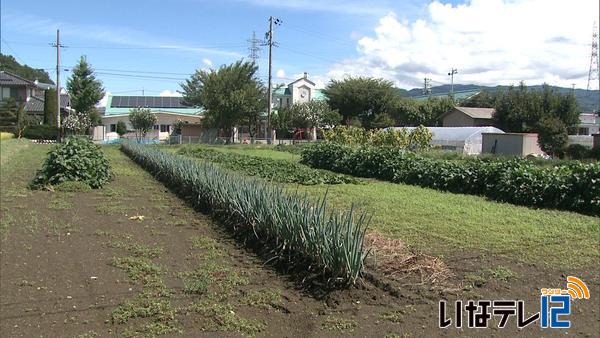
(466, 140)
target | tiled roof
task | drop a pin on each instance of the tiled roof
(10, 79)
(477, 113)
(34, 105)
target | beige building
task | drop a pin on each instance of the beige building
(468, 117)
(167, 109)
(511, 144)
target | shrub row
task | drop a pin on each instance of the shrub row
(40, 132)
(76, 159)
(575, 186)
(292, 226)
(276, 170)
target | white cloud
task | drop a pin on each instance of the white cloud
(280, 73)
(168, 92)
(207, 62)
(489, 41)
(104, 100)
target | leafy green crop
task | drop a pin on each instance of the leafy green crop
(296, 229)
(276, 170)
(575, 186)
(76, 159)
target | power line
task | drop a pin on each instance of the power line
(320, 35)
(75, 46)
(13, 51)
(141, 76)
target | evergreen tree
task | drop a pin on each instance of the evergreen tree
(50, 107)
(85, 90)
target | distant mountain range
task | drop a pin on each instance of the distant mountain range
(588, 101)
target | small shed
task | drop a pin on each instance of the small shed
(466, 140)
(511, 144)
(468, 117)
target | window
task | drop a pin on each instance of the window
(4, 93)
(583, 131)
(165, 128)
(113, 128)
(156, 127)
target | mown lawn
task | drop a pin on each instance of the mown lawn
(453, 225)
(10, 147)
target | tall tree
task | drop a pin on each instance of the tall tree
(520, 110)
(230, 95)
(85, 90)
(361, 97)
(142, 120)
(50, 107)
(410, 112)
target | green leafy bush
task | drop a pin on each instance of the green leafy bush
(414, 139)
(575, 186)
(296, 229)
(76, 159)
(577, 151)
(41, 132)
(276, 170)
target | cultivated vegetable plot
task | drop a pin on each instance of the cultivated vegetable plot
(574, 187)
(295, 228)
(276, 170)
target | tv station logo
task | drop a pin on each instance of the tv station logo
(555, 307)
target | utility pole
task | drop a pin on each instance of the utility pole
(270, 43)
(58, 45)
(452, 72)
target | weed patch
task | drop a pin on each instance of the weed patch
(262, 298)
(222, 317)
(339, 324)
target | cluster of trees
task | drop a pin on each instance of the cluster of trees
(376, 103)
(521, 110)
(232, 95)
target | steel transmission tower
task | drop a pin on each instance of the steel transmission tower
(426, 86)
(254, 49)
(594, 73)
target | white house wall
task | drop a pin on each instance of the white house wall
(161, 118)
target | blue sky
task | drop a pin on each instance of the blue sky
(403, 41)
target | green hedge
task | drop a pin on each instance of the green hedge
(276, 170)
(575, 186)
(296, 230)
(41, 132)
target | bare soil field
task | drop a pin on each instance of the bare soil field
(133, 259)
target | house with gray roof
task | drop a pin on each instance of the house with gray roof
(468, 117)
(31, 93)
